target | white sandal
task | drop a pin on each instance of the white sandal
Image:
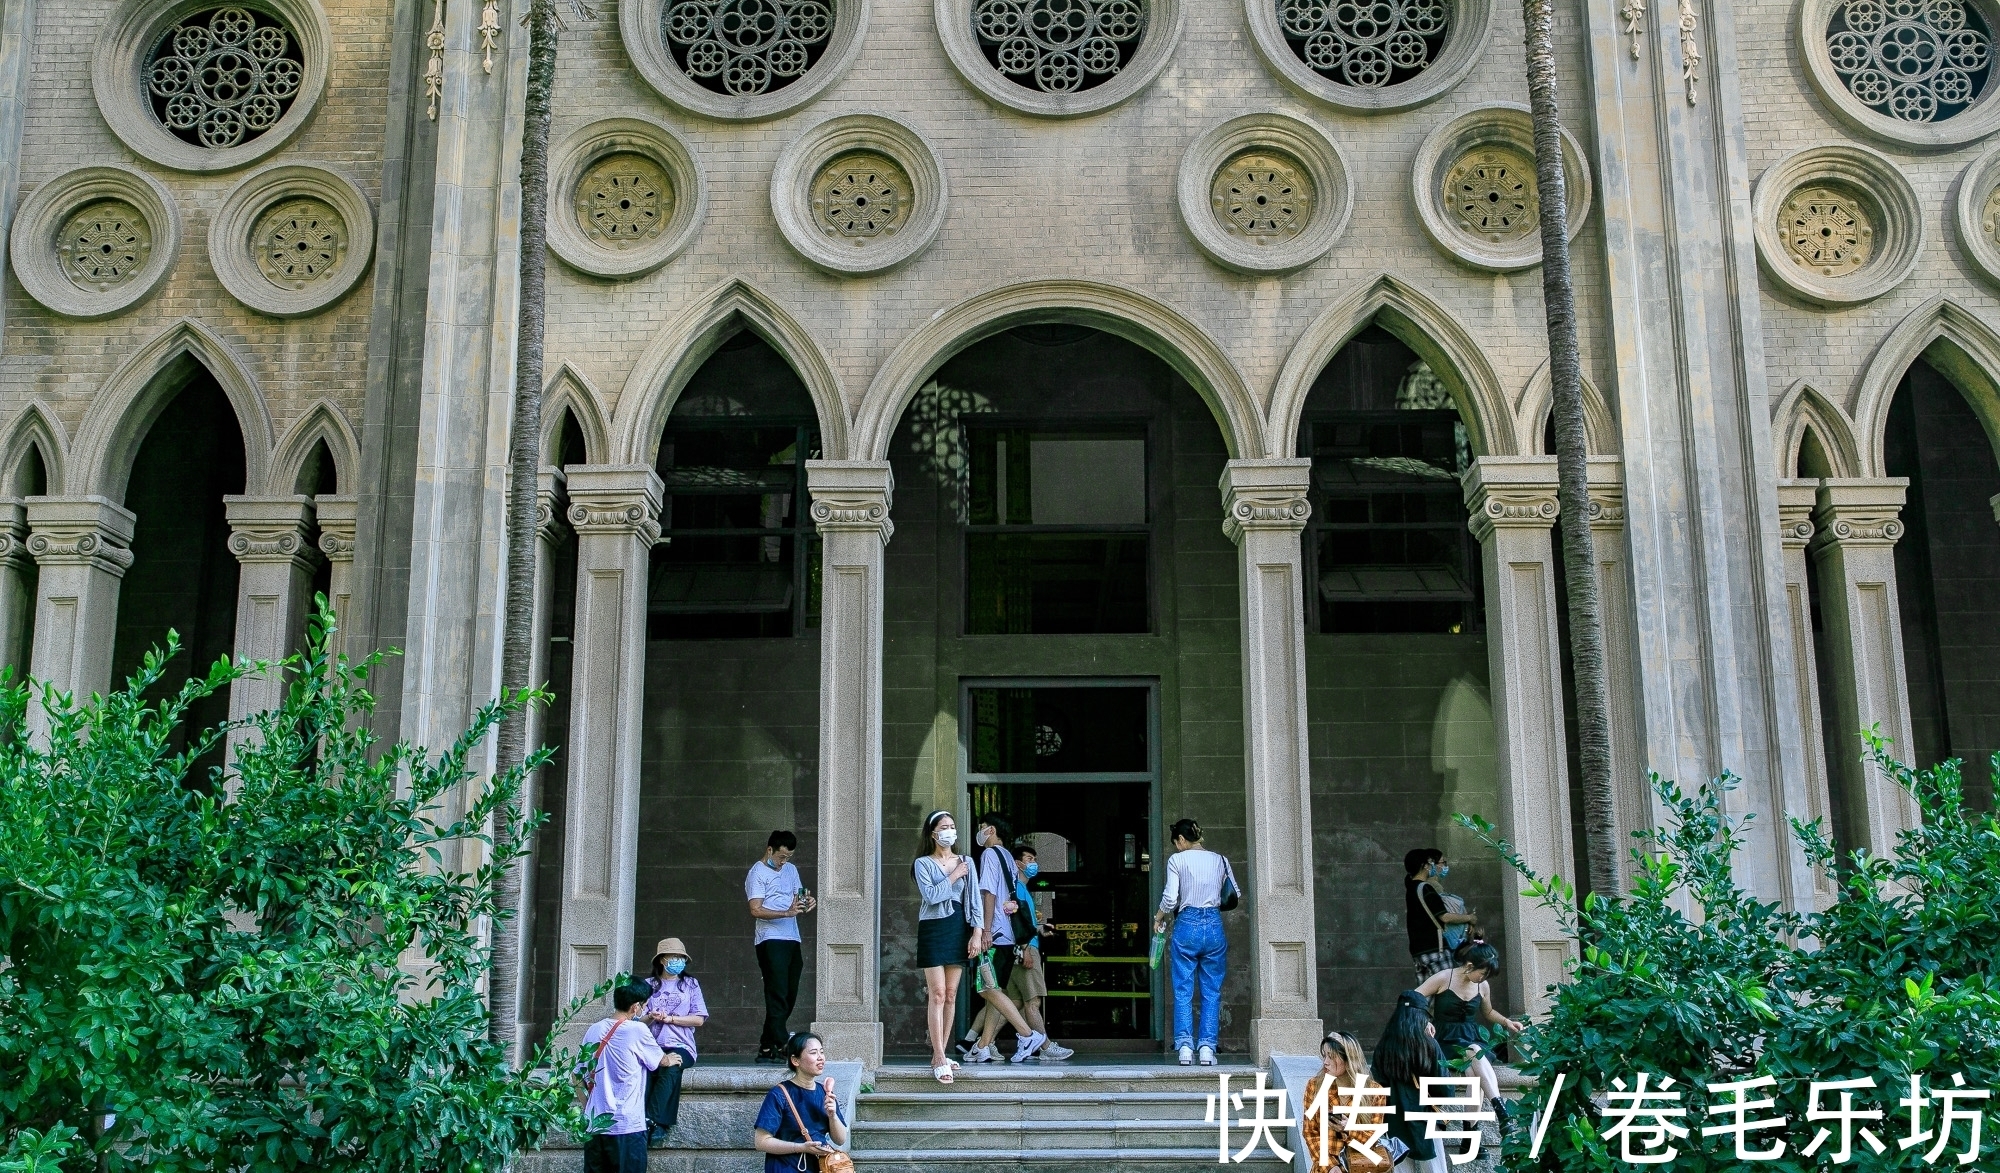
(942, 1073)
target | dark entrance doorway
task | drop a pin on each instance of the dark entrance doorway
(1073, 765)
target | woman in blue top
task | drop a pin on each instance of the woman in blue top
(948, 929)
(803, 1099)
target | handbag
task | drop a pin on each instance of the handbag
(1231, 894)
(1449, 936)
(835, 1161)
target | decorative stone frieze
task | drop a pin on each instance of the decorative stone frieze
(859, 194)
(271, 530)
(1475, 188)
(741, 60)
(81, 541)
(1264, 193)
(1386, 57)
(292, 239)
(1836, 224)
(627, 198)
(94, 242)
(198, 86)
(1916, 74)
(1058, 58)
(1978, 215)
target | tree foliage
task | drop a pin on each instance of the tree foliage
(268, 970)
(1690, 977)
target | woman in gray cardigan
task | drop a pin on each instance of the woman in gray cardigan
(948, 927)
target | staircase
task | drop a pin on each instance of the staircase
(1053, 1118)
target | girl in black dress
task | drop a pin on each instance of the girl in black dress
(1408, 1054)
(1460, 1002)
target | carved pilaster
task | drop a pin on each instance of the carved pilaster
(846, 505)
(87, 531)
(16, 604)
(83, 547)
(272, 540)
(1504, 506)
(548, 508)
(336, 516)
(275, 530)
(1859, 522)
(1796, 500)
(1265, 505)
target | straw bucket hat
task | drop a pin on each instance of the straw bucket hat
(669, 947)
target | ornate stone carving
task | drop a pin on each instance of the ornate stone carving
(1795, 528)
(616, 513)
(1977, 214)
(1828, 229)
(1058, 46)
(1491, 192)
(747, 47)
(1278, 508)
(489, 30)
(338, 547)
(1862, 527)
(13, 537)
(434, 69)
(861, 196)
(1366, 45)
(1634, 12)
(1262, 195)
(104, 245)
(280, 542)
(1989, 216)
(298, 242)
(1690, 25)
(79, 544)
(1912, 60)
(624, 200)
(853, 511)
(1607, 506)
(224, 75)
(1524, 506)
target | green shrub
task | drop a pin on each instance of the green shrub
(225, 966)
(1687, 976)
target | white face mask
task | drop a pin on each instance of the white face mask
(947, 837)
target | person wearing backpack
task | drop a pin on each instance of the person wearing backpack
(619, 1054)
(1438, 923)
(1200, 887)
(1008, 923)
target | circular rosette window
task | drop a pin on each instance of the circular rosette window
(1370, 54)
(627, 196)
(1912, 72)
(1058, 58)
(741, 59)
(1836, 225)
(1476, 191)
(291, 240)
(858, 195)
(94, 242)
(1264, 194)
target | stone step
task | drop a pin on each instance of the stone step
(1055, 1160)
(1039, 1105)
(1008, 1135)
(1035, 1078)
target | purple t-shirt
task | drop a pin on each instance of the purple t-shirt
(620, 1088)
(678, 996)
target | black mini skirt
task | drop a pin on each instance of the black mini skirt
(942, 941)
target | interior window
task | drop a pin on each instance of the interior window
(1058, 540)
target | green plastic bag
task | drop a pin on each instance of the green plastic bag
(1159, 948)
(983, 978)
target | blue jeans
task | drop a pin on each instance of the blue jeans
(1198, 947)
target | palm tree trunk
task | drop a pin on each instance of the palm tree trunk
(1579, 553)
(517, 652)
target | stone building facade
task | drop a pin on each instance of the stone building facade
(954, 402)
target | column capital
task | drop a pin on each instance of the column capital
(1269, 495)
(13, 532)
(270, 529)
(852, 496)
(615, 500)
(1511, 492)
(1796, 500)
(1607, 493)
(1857, 512)
(337, 514)
(81, 531)
(548, 501)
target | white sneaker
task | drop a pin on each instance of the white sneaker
(1208, 1056)
(1029, 1046)
(1187, 1056)
(981, 1055)
(1056, 1051)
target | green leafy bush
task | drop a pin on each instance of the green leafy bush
(1688, 977)
(224, 967)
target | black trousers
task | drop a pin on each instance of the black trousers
(615, 1154)
(663, 1090)
(782, 963)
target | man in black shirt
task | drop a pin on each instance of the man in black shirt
(1425, 911)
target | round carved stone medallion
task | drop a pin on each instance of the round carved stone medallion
(624, 201)
(1912, 60)
(1827, 229)
(1058, 46)
(1491, 193)
(747, 47)
(224, 76)
(1368, 44)
(1989, 217)
(104, 245)
(1262, 195)
(298, 242)
(861, 196)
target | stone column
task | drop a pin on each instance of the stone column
(1513, 505)
(549, 534)
(1858, 522)
(83, 547)
(1265, 505)
(16, 600)
(851, 500)
(1796, 500)
(336, 540)
(272, 540)
(1621, 652)
(615, 510)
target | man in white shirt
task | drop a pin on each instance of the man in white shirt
(617, 1055)
(776, 899)
(996, 894)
